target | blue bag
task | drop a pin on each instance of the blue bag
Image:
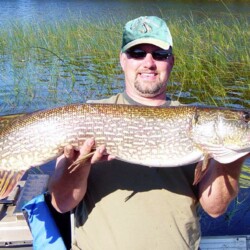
(43, 228)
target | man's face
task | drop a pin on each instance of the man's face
(146, 76)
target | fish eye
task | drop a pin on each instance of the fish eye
(246, 116)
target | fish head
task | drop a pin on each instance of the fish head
(233, 130)
(223, 134)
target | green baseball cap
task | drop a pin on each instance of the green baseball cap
(146, 29)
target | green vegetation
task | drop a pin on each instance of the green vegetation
(245, 177)
(212, 56)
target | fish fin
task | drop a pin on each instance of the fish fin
(201, 169)
(79, 162)
(222, 153)
(229, 156)
(8, 181)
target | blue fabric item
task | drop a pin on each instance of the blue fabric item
(42, 225)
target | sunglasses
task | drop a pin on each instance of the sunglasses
(158, 55)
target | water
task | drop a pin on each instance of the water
(46, 83)
(28, 84)
(29, 10)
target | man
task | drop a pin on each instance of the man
(122, 206)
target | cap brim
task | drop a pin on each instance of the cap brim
(159, 43)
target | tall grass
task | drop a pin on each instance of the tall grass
(212, 56)
(65, 39)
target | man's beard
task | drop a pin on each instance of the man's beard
(149, 91)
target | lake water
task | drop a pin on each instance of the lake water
(46, 10)
(49, 86)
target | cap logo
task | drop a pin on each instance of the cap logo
(143, 25)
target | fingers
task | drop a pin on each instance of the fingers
(86, 155)
(87, 147)
(69, 152)
(98, 155)
(101, 155)
(69, 155)
(110, 157)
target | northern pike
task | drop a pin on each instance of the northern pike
(150, 136)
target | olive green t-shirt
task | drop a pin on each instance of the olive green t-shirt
(133, 207)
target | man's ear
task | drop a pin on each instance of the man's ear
(122, 60)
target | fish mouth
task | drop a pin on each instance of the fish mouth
(239, 149)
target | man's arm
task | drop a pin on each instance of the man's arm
(219, 186)
(67, 188)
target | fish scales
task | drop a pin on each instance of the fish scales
(72, 123)
(151, 136)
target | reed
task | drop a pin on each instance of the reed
(212, 58)
(245, 177)
(211, 55)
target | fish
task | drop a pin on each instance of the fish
(149, 136)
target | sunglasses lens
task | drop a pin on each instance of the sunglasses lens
(136, 53)
(161, 55)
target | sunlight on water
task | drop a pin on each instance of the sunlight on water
(29, 84)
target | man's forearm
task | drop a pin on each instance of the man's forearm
(67, 188)
(219, 186)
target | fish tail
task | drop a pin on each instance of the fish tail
(8, 181)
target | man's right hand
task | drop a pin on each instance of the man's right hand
(67, 188)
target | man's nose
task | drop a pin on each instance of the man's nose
(149, 61)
